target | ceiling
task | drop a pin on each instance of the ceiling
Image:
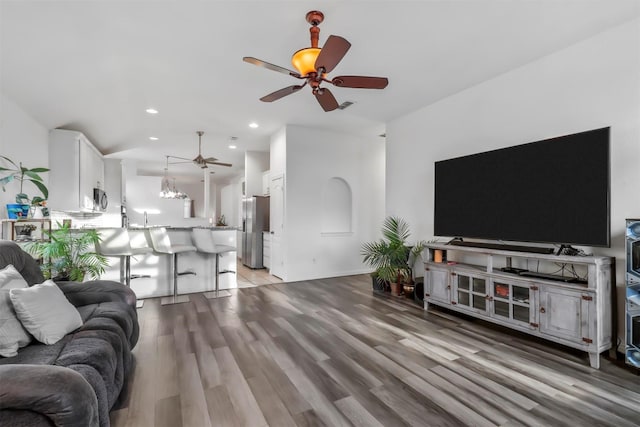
(95, 66)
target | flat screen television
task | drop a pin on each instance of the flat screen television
(551, 191)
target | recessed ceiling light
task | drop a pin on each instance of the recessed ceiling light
(153, 138)
(151, 111)
(253, 125)
(233, 147)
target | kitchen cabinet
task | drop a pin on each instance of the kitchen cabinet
(266, 249)
(77, 167)
(572, 310)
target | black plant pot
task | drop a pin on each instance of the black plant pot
(377, 283)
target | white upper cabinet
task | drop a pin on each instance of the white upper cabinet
(77, 167)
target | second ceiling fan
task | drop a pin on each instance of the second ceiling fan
(199, 160)
(313, 64)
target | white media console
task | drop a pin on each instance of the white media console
(572, 311)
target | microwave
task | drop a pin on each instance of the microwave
(100, 200)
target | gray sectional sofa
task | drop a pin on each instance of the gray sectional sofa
(76, 381)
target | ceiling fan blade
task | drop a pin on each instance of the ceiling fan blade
(220, 164)
(179, 163)
(181, 158)
(281, 93)
(210, 159)
(332, 52)
(269, 66)
(360, 82)
(326, 99)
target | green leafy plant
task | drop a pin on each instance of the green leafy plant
(22, 174)
(67, 254)
(391, 256)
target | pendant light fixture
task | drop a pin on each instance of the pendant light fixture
(168, 186)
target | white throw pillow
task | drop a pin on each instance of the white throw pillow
(12, 334)
(45, 312)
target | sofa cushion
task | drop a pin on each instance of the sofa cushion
(37, 353)
(45, 312)
(12, 253)
(12, 333)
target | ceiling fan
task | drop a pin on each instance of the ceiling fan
(313, 64)
(199, 160)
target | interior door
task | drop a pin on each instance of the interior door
(277, 226)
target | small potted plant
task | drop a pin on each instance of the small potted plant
(68, 254)
(20, 173)
(391, 256)
(221, 221)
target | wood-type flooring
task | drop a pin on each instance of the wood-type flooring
(330, 353)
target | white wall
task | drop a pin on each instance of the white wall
(142, 195)
(313, 157)
(227, 204)
(278, 152)
(22, 139)
(255, 162)
(593, 84)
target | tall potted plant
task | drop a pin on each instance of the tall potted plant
(20, 173)
(67, 255)
(391, 256)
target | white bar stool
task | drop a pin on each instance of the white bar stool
(203, 239)
(115, 242)
(161, 244)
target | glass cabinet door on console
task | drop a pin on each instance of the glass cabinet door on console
(513, 301)
(437, 284)
(470, 291)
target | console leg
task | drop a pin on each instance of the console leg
(594, 360)
(426, 305)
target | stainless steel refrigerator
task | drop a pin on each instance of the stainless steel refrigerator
(255, 220)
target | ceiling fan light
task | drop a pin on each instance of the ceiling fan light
(304, 60)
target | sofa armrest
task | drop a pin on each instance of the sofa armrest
(97, 291)
(60, 394)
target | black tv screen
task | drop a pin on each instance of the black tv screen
(552, 191)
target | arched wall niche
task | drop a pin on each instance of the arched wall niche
(337, 206)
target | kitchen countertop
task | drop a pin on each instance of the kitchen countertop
(179, 228)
